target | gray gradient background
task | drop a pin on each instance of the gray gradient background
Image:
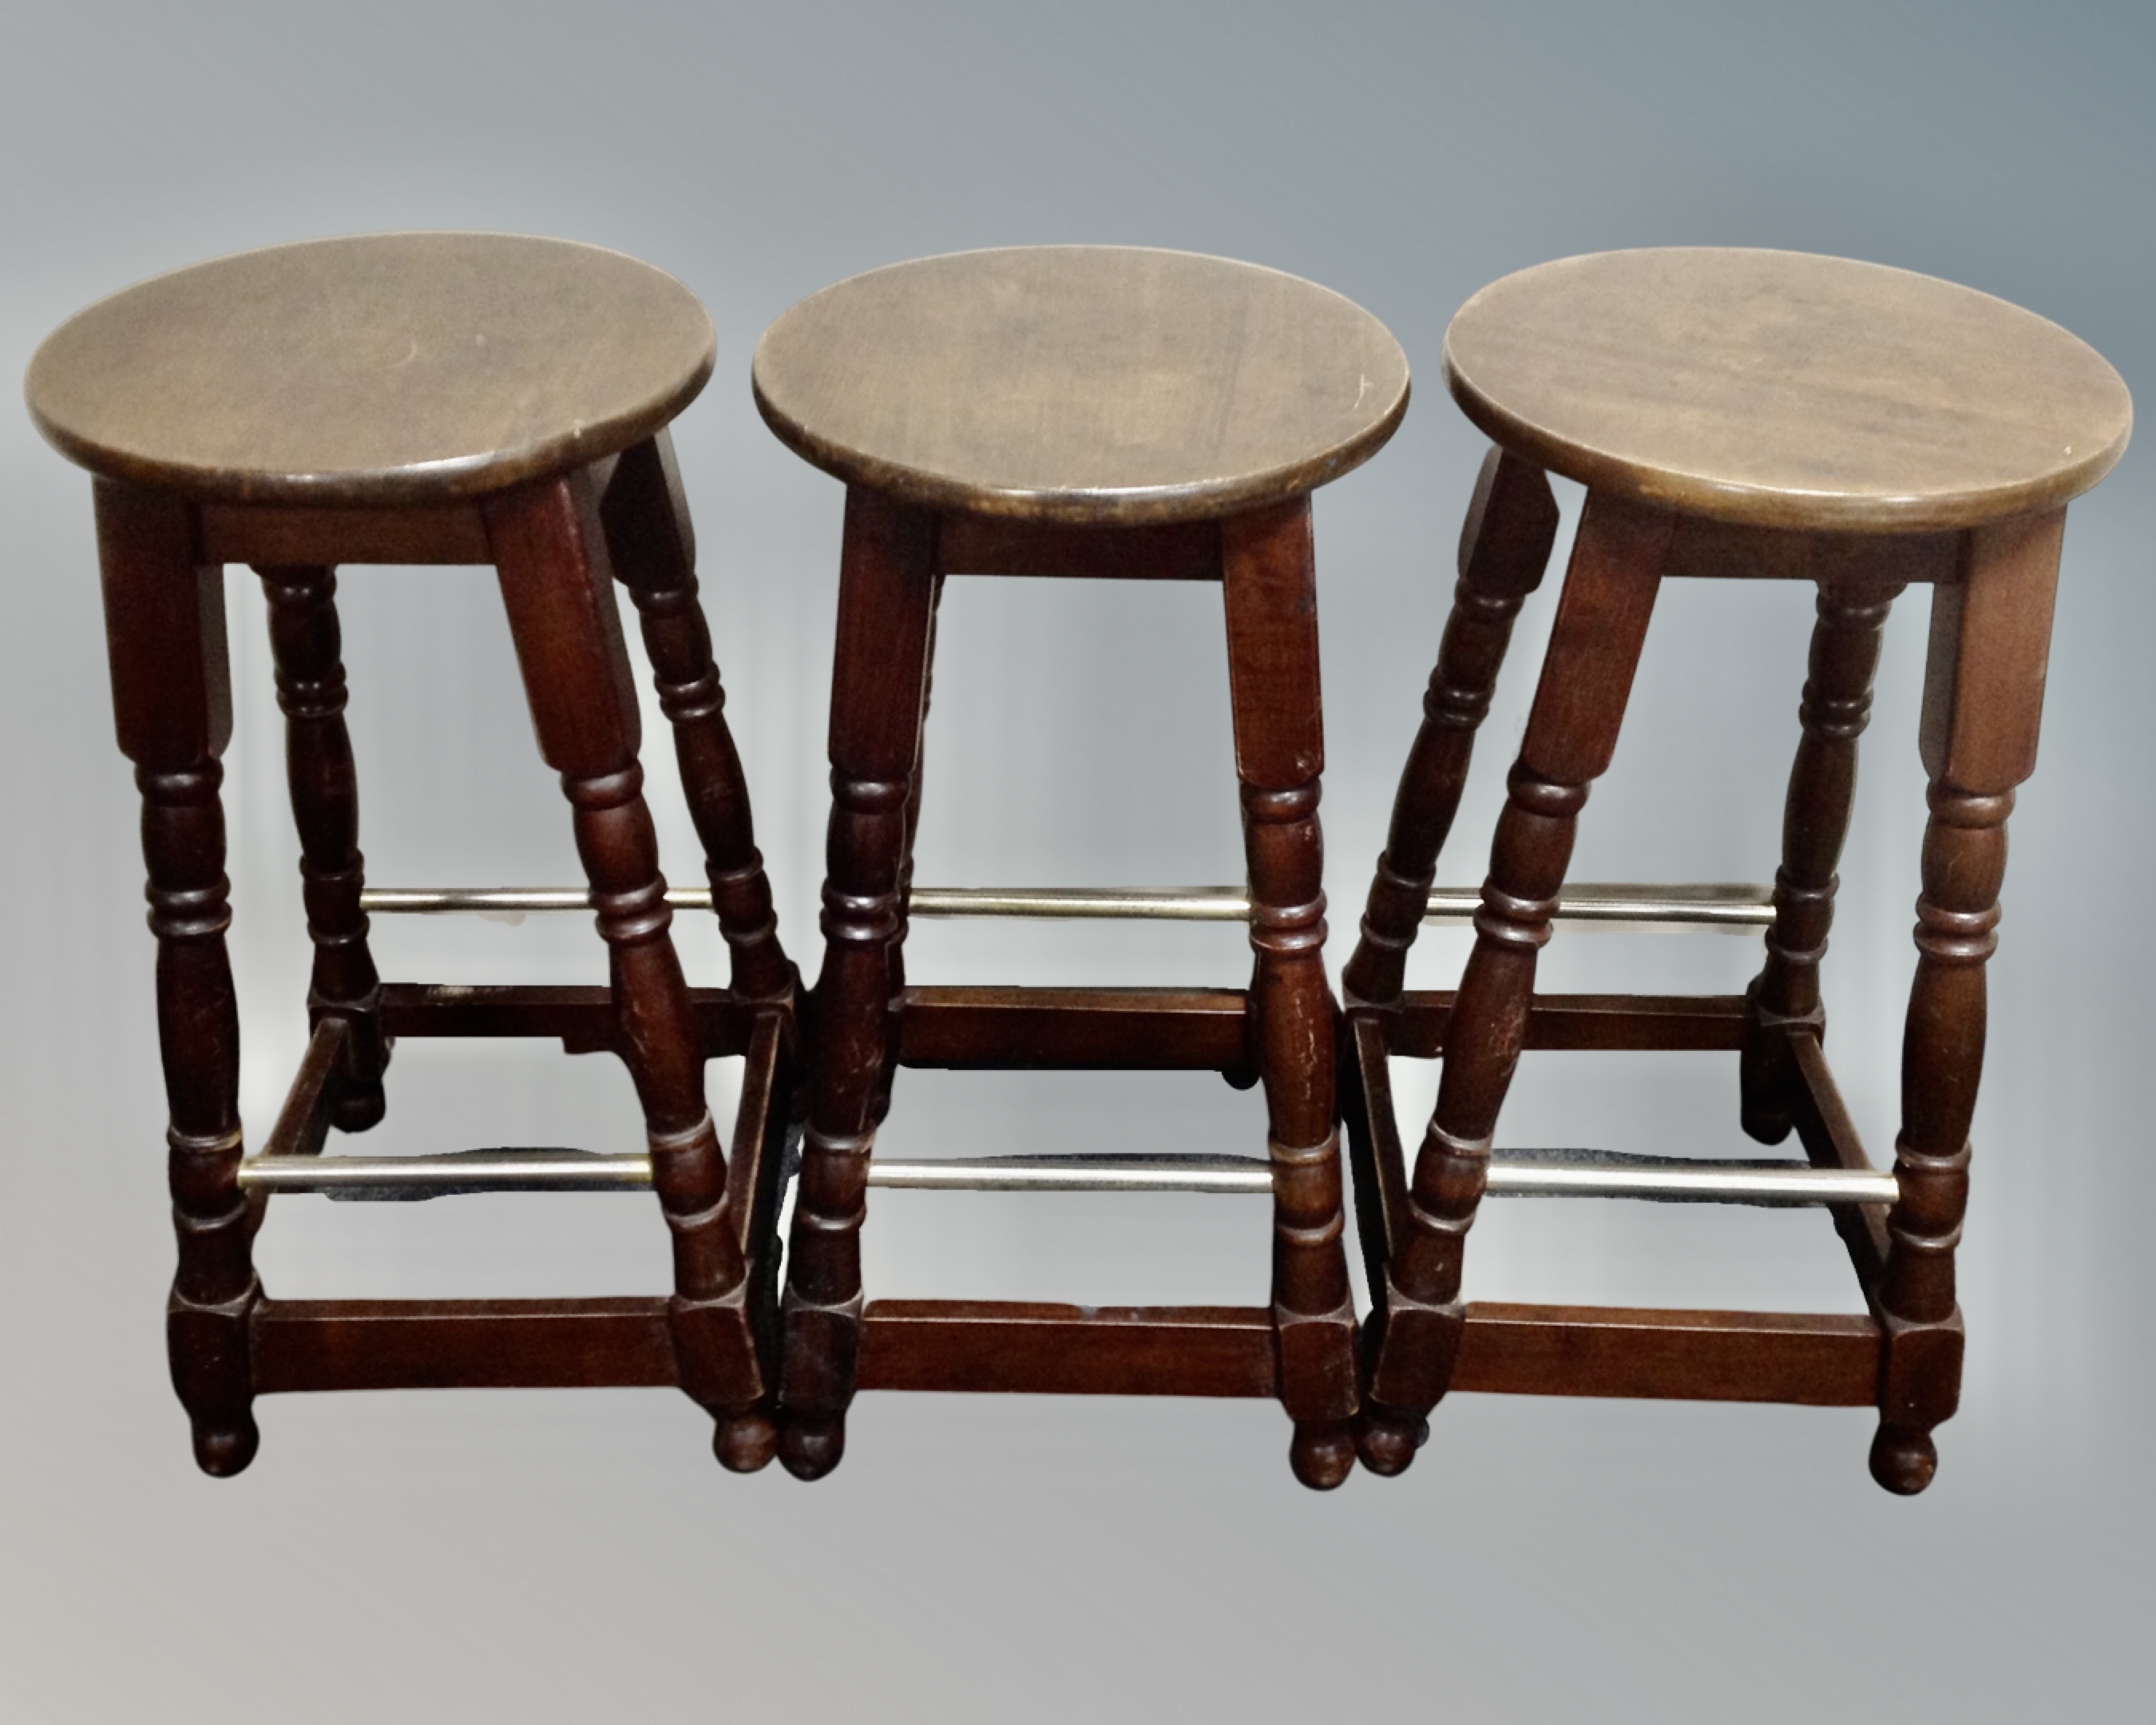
(557, 1556)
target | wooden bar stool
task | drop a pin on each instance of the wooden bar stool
(1075, 411)
(427, 398)
(1732, 414)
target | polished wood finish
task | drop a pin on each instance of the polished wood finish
(1835, 707)
(1086, 385)
(1747, 415)
(1512, 523)
(430, 399)
(1782, 390)
(1073, 412)
(653, 551)
(378, 369)
(164, 624)
(304, 645)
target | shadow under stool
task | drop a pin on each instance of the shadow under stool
(1098, 412)
(1746, 414)
(429, 398)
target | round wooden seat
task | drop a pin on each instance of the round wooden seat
(379, 369)
(1086, 385)
(1780, 389)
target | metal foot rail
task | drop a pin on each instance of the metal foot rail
(1519, 1173)
(1733, 908)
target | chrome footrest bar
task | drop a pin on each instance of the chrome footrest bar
(1737, 908)
(1519, 1173)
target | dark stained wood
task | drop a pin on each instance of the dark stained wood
(1014, 1347)
(1581, 1021)
(1983, 697)
(885, 597)
(305, 647)
(164, 622)
(462, 1344)
(1819, 1361)
(1085, 385)
(1785, 995)
(302, 1123)
(441, 533)
(1572, 733)
(583, 1017)
(990, 1028)
(1740, 414)
(984, 545)
(381, 368)
(653, 551)
(550, 553)
(1829, 1139)
(1730, 551)
(1504, 548)
(1786, 391)
(1269, 588)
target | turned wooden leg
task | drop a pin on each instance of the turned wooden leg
(1270, 588)
(653, 551)
(1984, 692)
(550, 553)
(896, 1021)
(164, 620)
(304, 642)
(1785, 995)
(886, 591)
(1572, 733)
(1503, 551)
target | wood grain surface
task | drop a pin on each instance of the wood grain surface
(1784, 390)
(1101, 385)
(380, 368)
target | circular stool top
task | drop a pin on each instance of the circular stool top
(1779, 389)
(382, 368)
(1088, 384)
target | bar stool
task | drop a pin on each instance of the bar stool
(431, 399)
(1075, 411)
(1732, 414)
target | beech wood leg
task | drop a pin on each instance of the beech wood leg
(886, 592)
(306, 645)
(1572, 733)
(1504, 549)
(1785, 997)
(1270, 589)
(551, 553)
(164, 619)
(653, 551)
(1983, 693)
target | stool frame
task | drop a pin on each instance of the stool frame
(865, 1021)
(556, 542)
(1993, 588)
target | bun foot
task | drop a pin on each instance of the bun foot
(745, 1443)
(1903, 1459)
(1386, 1440)
(811, 1445)
(362, 1104)
(1322, 1452)
(222, 1450)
